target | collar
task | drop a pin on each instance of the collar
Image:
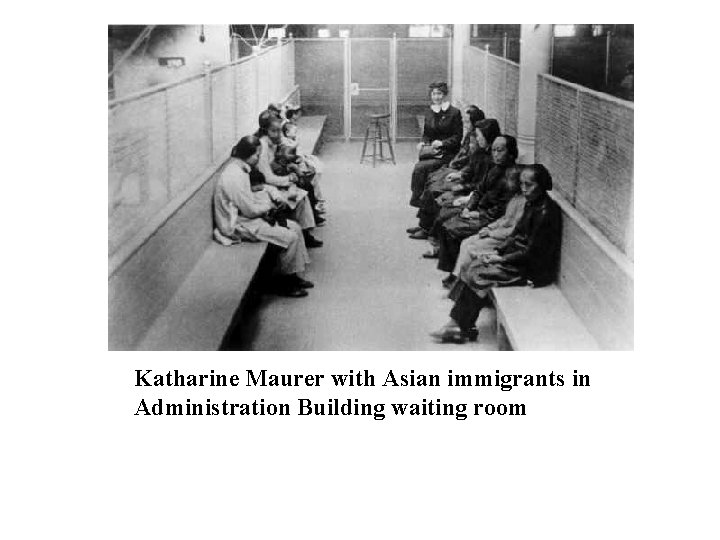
(444, 106)
(244, 166)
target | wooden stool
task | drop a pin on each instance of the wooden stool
(377, 123)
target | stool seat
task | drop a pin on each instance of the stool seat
(378, 123)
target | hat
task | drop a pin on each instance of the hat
(440, 85)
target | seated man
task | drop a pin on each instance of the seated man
(244, 214)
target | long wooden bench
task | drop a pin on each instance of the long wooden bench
(180, 290)
(589, 308)
(310, 130)
(201, 311)
(538, 320)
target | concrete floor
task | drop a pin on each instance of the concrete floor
(373, 290)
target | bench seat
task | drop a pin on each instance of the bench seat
(539, 319)
(310, 133)
(203, 307)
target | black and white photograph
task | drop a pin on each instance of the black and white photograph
(371, 187)
(322, 236)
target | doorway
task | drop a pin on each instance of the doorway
(348, 79)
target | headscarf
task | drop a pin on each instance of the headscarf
(511, 145)
(475, 114)
(542, 176)
(490, 129)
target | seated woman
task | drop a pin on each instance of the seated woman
(283, 186)
(528, 256)
(472, 116)
(486, 204)
(288, 162)
(494, 233)
(442, 135)
(244, 214)
(434, 209)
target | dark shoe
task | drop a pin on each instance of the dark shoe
(449, 281)
(303, 283)
(312, 242)
(422, 234)
(285, 286)
(292, 292)
(432, 254)
(472, 334)
(413, 230)
(449, 335)
(319, 222)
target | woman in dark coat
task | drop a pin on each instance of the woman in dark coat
(528, 256)
(433, 208)
(473, 114)
(443, 130)
(487, 203)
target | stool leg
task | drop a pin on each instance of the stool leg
(375, 145)
(380, 139)
(390, 146)
(367, 134)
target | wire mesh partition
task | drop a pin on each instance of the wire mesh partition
(370, 73)
(506, 47)
(419, 62)
(164, 138)
(597, 62)
(492, 83)
(320, 75)
(585, 138)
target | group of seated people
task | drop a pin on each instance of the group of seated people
(269, 191)
(489, 221)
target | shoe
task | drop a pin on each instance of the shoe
(449, 281)
(454, 334)
(432, 254)
(319, 222)
(292, 292)
(312, 242)
(321, 207)
(419, 235)
(285, 287)
(451, 334)
(413, 230)
(303, 283)
(472, 334)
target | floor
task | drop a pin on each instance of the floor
(373, 290)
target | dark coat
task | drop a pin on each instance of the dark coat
(534, 245)
(445, 126)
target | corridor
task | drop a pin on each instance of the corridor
(373, 290)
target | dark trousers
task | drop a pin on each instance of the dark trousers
(306, 184)
(467, 305)
(445, 213)
(428, 211)
(420, 176)
(451, 234)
